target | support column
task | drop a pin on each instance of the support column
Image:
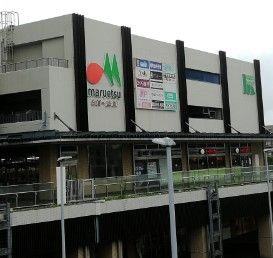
(80, 252)
(127, 159)
(198, 242)
(227, 155)
(257, 154)
(47, 163)
(131, 251)
(110, 250)
(185, 164)
(264, 236)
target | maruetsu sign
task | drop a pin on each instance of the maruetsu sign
(103, 93)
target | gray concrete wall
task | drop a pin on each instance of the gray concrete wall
(57, 95)
(27, 52)
(100, 39)
(24, 217)
(243, 108)
(153, 50)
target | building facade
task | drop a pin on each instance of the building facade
(73, 86)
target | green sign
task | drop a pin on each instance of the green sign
(248, 84)
(170, 96)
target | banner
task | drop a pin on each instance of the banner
(155, 85)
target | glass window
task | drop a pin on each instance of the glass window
(106, 160)
(205, 112)
(241, 155)
(206, 156)
(177, 164)
(114, 160)
(97, 160)
(19, 166)
(202, 76)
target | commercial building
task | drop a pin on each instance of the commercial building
(72, 86)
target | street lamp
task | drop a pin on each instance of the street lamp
(269, 194)
(168, 143)
(62, 160)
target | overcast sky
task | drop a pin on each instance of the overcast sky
(242, 28)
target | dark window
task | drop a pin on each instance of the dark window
(241, 155)
(106, 160)
(202, 76)
(19, 166)
(213, 156)
(20, 107)
(205, 112)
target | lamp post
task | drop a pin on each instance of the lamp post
(266, 151)
(168, 143)
(61, 160)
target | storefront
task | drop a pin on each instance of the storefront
(241, 155)
(151, 159)
(206, 156)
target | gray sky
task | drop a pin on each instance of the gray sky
(242, 28)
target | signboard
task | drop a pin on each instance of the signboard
(104, 97)
(155, 85)
(248, 84)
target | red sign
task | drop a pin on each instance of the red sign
(244, 150)
(211, 151)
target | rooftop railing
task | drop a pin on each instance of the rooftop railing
(51, 61)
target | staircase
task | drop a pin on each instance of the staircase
(215, 226)
(5, 230)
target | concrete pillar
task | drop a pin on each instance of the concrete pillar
(47, 163)
(131, 249)
(80, 252)
(83, 163)
(110, 250)
(127, 159)
(227, 155)
(257, 154)
(264, 236)
(198, 242)
(185, 163)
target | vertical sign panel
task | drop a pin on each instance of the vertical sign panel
(105, 87)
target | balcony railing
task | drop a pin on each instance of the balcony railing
(30, 115)
(33, 64)
(129, 186)
(28, 195)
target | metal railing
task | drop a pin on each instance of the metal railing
(31, 115)
(129, 186)
(51, 61)
(28, 195)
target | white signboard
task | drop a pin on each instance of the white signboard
(155, 85)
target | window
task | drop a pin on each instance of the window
(241, 155)
(20, 107)
(202, 76)
(106, 160)
(205, 112)
(206, 156)
(19, 166)
(151, 159)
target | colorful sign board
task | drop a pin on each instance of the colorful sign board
(248, 84)
(155, 85)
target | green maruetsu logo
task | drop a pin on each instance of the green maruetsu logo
(248, 84)
(94, 72)
(112, 73)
